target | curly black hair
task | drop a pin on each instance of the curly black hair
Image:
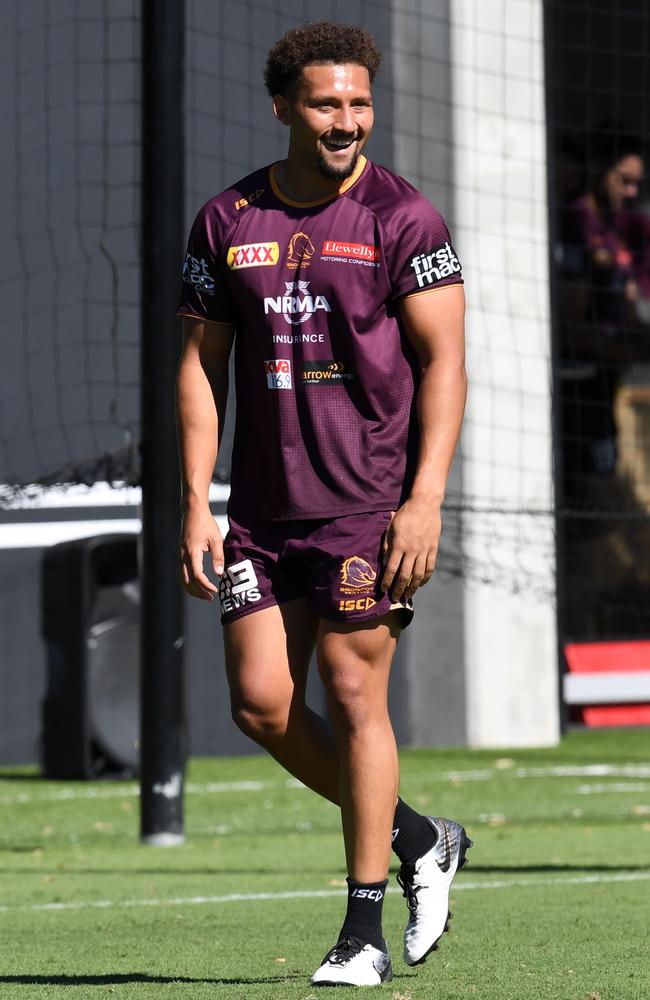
(320, 42)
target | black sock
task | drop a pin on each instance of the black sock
(412, 835)
(363, 917)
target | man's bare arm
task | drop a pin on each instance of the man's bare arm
(201, 395)
(434, 324)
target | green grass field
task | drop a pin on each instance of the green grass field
(555, 902)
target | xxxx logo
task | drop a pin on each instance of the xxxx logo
(253, 255)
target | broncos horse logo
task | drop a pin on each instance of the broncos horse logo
(300, 251)
(357, 573)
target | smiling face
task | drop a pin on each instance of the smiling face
(622, 182)
(329, 112)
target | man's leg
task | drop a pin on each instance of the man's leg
(267, 657)
(354, 663)
(267, 661)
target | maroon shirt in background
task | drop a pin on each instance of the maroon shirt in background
(325, 378)
(625, 235)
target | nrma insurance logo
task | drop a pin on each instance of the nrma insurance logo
(297, 305)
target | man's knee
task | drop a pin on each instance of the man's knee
(351, 699)
(258, 715)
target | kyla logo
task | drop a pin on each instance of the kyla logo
(238, 586)
(253, 255)
(298, 304)
(300, 251)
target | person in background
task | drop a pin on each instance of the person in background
(605, 282)
(606, 270)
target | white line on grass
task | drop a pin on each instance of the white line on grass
(559, 771)
(130, 790)
(614, 787)
(215, 787)
(249, 897)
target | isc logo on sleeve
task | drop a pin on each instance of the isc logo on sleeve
(253, 255)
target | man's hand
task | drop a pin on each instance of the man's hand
(411, 547)
(200, 534)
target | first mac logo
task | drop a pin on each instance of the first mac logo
(253, 255)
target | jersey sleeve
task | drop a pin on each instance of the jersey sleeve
(204, 291)
(419, 252)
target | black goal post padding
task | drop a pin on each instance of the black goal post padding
(163, 750)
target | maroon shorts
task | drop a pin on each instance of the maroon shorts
(336, 564)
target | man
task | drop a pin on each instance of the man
(340, 289)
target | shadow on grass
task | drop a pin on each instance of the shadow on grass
(471, 869)
(203, 872)
(17, 776)
(552, 868)
(117, 979)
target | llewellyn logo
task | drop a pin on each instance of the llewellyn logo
(300, 251)
(351, 253)
(436, 264)
(253, 255)
(298, 304)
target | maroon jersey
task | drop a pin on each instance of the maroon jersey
(325, 377)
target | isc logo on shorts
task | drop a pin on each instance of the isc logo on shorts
(278, 373)
(238, 586)
(357, 604)
(253, 255)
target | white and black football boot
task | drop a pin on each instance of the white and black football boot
(426, 884)
(353, 962)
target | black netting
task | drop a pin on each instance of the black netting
(70, 186)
